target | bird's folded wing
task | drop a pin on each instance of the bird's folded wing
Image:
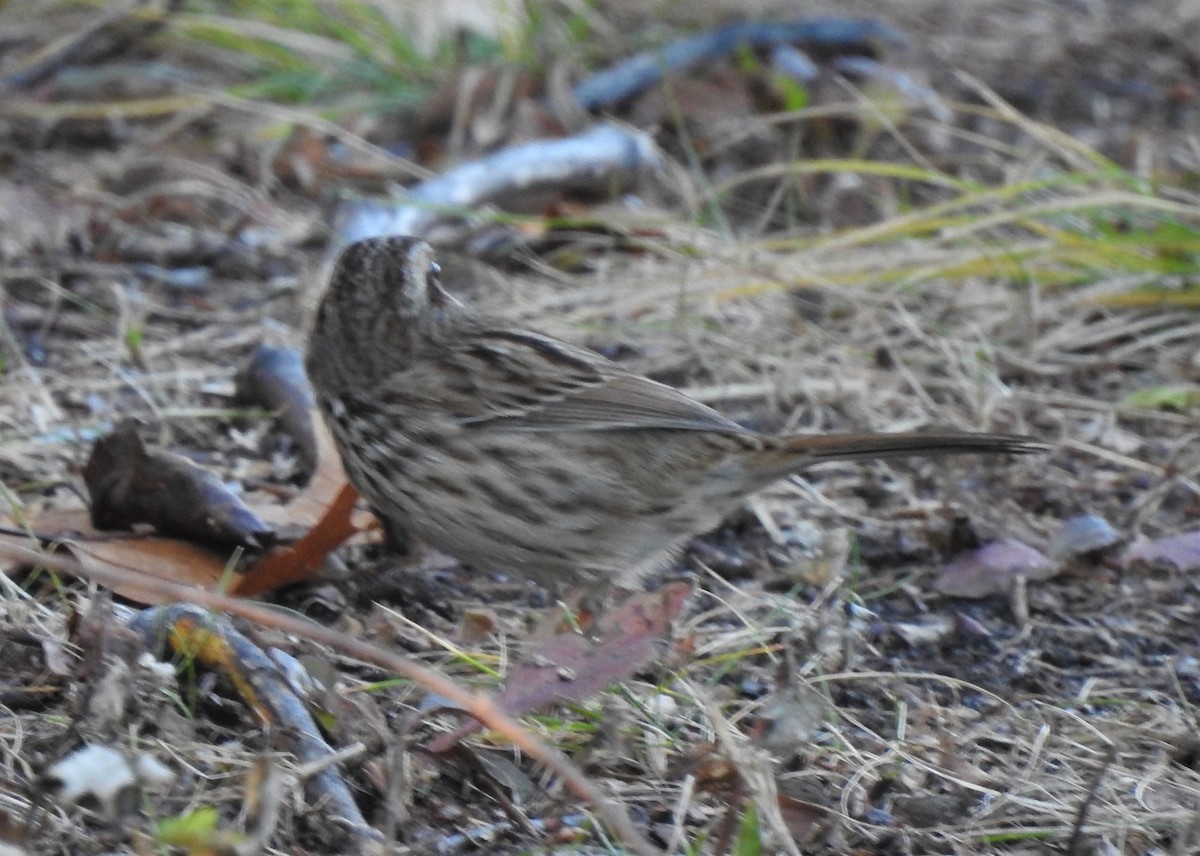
(613, 402)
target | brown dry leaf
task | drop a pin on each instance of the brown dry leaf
(713, 770)
(801, 818)
(13, 836)
(571, 666)
(325, 508)
(307, 161)
(132, 484)
(717, 100)
(151, 556)
(155, 558)
(476, 626)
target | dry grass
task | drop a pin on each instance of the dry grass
(1012, 280)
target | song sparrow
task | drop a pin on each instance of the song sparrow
(518, 452)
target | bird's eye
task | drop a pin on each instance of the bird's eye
(433, 285)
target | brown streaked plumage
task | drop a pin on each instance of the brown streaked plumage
(518, 452)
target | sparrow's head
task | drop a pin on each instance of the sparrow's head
(383, 294)
(395, 277)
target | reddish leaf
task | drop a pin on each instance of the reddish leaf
(326, 508)
(571, 666)
(303, 559)
(309, 506)
(1182, 551)
(991, 569)
(800, 817)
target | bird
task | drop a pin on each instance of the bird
(521, 453)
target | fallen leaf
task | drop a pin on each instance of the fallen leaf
(155, 558)
(307, 507)
(800, 817)
(302, 560)
(324, 510)
(131, 484)
(150, 556)
(992, 569)
(571, 666)
(1181, 551)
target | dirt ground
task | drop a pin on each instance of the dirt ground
(826, 671)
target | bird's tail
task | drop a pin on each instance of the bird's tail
(797, 451)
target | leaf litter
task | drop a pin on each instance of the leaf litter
(977, 737)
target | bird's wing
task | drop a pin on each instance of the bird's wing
(523, 381)
(616, 402)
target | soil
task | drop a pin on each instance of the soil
(825, 670)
